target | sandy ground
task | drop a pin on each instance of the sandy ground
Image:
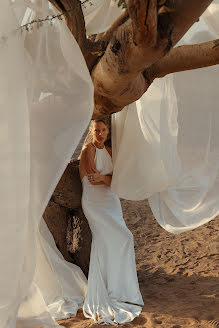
(178, 274)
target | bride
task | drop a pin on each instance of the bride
(113, 294)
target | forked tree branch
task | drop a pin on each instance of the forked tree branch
(154, 27)
(139, 48)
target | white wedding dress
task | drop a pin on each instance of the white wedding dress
(112, 279)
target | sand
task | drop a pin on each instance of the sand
(178, 274)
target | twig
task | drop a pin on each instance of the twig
(50, 18)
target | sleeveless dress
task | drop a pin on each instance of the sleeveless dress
(112, 278)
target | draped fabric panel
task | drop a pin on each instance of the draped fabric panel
(166, 144)
(46, 97)
(15, 168)
(145, 169)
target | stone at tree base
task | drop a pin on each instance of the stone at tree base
(69, 189)
(79, 239)
(56, 218)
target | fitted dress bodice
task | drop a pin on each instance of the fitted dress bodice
(103, 161)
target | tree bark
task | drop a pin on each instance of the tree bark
(185, 58)
(79, 240)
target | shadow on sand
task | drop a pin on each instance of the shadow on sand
(179, 296)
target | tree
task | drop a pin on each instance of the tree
(138, 48)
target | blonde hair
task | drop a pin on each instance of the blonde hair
(105, 121)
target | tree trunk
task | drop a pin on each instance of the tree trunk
(66, 221)
(79, 239)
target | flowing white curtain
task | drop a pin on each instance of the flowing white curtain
(46, 97)
(166, 144)
(14, 168)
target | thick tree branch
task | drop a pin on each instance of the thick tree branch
(186, 57)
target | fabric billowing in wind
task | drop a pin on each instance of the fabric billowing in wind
(46, 97)
(166, 144)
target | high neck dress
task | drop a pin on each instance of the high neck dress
(112, 278)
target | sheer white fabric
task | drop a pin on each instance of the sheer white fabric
(15, 167)
(166, 144)
(45, 103)
(99, 15)
(211, 17)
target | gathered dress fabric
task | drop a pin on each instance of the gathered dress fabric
(112, 279)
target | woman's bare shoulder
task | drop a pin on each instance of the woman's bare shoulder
(89, 148)
(109, 149)
(88, 153)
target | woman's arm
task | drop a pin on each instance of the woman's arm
(99, 179)
(87, 167)
(107, 179)
(87, 164)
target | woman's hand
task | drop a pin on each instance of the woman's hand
(95, 178)
(98, 179)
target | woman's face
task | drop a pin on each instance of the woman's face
(99, 132)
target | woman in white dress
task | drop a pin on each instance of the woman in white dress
(113, 294)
